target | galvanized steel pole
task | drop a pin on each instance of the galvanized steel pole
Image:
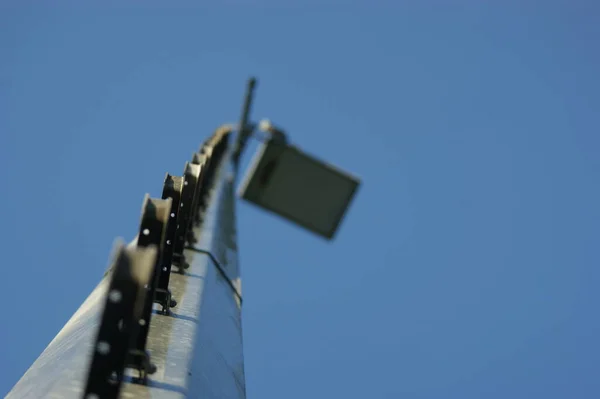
(196, 347)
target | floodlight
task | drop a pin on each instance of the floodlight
(296, 186)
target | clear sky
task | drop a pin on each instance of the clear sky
(468, 265)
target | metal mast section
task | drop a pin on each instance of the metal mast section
(165, 320)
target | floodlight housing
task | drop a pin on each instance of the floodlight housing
(298, 187)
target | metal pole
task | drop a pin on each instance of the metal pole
(197, 348)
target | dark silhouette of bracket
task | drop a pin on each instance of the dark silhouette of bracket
(130, 273)
(202, 191)
(186, 209)
(171, 189)
(153, 226)
(210, 153)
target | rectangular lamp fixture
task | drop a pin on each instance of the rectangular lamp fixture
(298, 187)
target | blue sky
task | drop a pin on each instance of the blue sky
(467, 266)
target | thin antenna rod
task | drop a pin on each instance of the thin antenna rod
(244, 129)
